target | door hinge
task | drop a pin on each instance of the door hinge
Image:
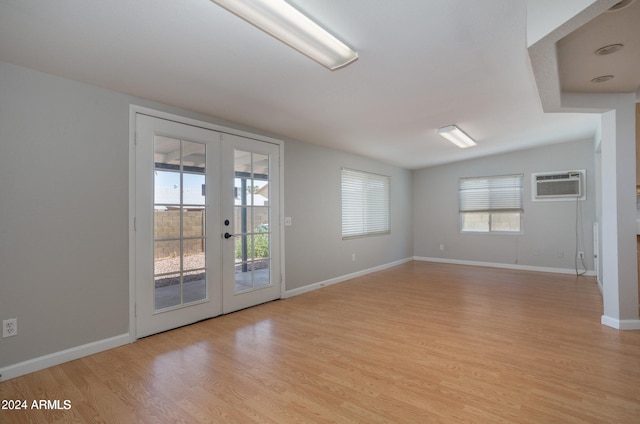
(134, 224)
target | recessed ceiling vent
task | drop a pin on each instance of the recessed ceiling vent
(620, 5)
(602, 78)
(611, 48)
(562, 185)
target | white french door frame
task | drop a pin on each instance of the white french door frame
(135, 110)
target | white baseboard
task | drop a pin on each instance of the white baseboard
(620, 324)
(501, 265)
(321, 284)
(57, 358)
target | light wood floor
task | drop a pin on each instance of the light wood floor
(418, 343)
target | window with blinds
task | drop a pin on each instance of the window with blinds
(491, 204)
(365, 203)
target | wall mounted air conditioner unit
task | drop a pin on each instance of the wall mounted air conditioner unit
(562, 185)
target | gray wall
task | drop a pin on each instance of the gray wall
(548, 238)
(314, 247)
(64, 213)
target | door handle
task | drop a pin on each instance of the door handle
(228, 236)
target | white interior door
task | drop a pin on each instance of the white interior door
(193, 187)
(178, 269)
(251, 199)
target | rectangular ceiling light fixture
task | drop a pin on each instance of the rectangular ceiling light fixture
(456, 136)
(282, 21)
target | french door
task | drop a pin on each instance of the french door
(251, 274)
(206, 223)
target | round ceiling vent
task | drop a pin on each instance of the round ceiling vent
(611, 48)
(620, 5)
(602, 78)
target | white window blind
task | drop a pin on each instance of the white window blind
(365, 203)
(491, 194)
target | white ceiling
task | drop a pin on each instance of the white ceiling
(423, 65)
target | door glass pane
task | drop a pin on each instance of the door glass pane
(260, 191)
(261, 219)
(193, 257)
(242, 249)
(167, 273)
(167, 188)
(167, 291)
(261, 273)
(167, 152)
(167, 257)
(242, 162)
(260, 246)
(242, 217)
(194, 189)
(179, 222)
(193, 157)
(242, 191)
(193, 222)
(194, 287)
(260, 166)
(251, 220)
(193, 263)
(243, 277)
(166, 224)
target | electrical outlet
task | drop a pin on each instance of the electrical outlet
(353, 257)
(441, 246)
(9, 327)
(581, 255)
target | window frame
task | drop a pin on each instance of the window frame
(366, 206)
(492, 205)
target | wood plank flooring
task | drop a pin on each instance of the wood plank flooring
(417, 343)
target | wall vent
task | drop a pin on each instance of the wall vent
(562, 185)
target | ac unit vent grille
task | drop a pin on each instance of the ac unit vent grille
(559, 188)
(557, 176)
(558, 185)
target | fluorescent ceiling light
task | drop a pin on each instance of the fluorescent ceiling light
(456, 136)
(281, 20)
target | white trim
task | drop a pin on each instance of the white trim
(620, 324)
(201, 124)
(132, 216)
(283, 285)
(57, 358)
(500, 265)
(332, 281)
